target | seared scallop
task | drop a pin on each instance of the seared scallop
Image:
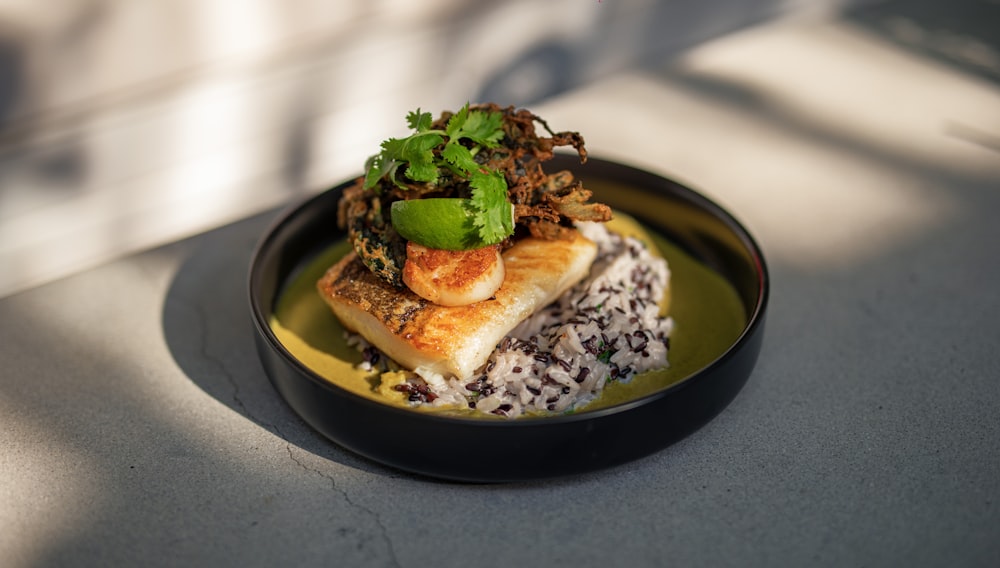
(453, 278)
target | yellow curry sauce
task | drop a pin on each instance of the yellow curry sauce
(708, 317)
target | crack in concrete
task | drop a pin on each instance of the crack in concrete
(383, 530)
(244, 410)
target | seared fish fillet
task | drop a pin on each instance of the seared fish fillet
(454, 340)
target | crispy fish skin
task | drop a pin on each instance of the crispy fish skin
(454, 340)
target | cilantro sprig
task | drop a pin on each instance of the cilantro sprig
(417, 151)
(421, 156)
(494, 216)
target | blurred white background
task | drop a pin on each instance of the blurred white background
(128, 123)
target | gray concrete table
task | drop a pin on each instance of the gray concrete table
(139, 428)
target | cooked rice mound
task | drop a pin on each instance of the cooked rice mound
(606, 328)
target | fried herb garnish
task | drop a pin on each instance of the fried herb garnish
(488, 154)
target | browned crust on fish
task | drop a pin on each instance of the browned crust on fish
(453, 340)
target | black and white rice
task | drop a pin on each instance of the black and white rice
(606, 328)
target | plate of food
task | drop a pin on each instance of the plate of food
(480, 305)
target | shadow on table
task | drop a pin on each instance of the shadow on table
(209, 331)
(963, 34)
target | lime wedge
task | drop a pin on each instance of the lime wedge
(439, 223)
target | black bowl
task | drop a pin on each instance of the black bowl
(470, 449)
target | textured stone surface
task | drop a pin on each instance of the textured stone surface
(139, 428)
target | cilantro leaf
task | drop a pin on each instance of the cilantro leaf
(483, 128)
(419, 121)
(456, 122)
(418, 150)
(460, 157)
(385, 163)
(493, 218)
(374, 171)
(605, 356)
